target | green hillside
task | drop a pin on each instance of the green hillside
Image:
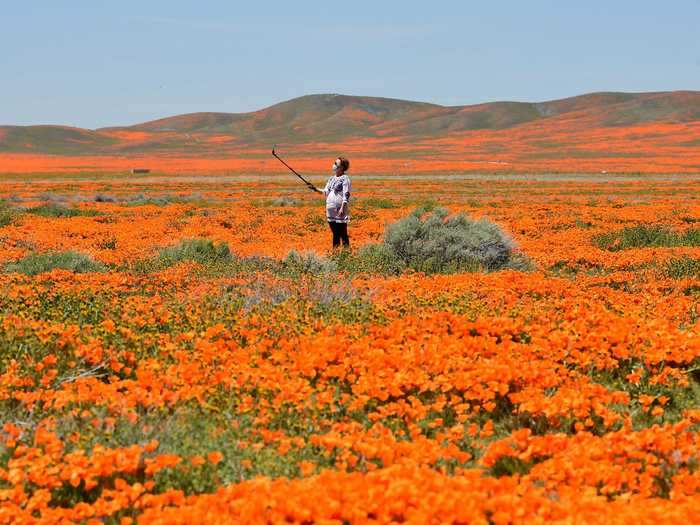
(336, 118)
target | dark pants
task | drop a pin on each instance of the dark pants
(340, 233)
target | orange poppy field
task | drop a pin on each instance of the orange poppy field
(250, 387)
(566, 144)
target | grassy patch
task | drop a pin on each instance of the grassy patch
(306, 263)
(682, 268)
(285, 201)
(37, 263)
(8, 214)
(644, 236)
(164, 200)
(315, 222)
(55, 210)
(203, 251)
(376, 203)
(570, 269)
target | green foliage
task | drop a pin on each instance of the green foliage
(37, 263)
(509, 466)
(190, 432)
(520, 262)
(164, 200)
(643, 236)
(376, 202)
(285, 202)
(314, 222)
(371, 258)
(203, 251)
(443, 244)
(8, 214)
(682, 268)
(307, 263)
(424, 205)
(437, 244)
(54, 210)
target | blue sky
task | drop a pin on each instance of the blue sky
(100, 63)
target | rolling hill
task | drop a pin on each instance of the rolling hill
(573, 128)
(339, 117)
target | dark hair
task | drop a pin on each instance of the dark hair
(345, 163)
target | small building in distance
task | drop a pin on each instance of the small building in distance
(135, 171)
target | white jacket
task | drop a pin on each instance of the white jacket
(337, 192)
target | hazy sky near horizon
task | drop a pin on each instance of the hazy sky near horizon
(93, 63)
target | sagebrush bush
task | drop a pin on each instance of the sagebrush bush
(203, 251)
(643, 236)
(37, 263)
(443, 244)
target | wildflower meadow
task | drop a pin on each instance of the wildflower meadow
(190, 350)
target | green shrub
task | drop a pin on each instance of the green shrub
(8, 214)
(644, 236)
(51, 209)
(37, 263)
(443, 244)
(682, 268)
(202, 251)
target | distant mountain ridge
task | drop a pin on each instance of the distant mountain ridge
(336, 118)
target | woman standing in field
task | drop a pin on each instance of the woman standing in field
(337, 192)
